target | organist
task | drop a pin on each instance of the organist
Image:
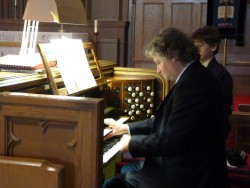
(184, 145)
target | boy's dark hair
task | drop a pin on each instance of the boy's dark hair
(209, 35)
(172, 42)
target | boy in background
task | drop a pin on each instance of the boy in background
(207, 40)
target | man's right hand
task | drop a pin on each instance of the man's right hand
(117, 128)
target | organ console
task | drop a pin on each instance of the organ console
(132, 93)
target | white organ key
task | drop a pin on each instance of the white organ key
(111, 152)
(122, 119)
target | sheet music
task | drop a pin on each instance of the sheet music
(73, 64)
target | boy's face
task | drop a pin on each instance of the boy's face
(206, 52)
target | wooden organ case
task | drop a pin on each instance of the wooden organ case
(68, 130)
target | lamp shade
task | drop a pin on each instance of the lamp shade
(59, 11)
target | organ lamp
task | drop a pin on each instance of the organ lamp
(58, 11)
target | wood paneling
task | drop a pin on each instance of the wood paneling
(113, 31)
(106, 9)
(203, 14)
(8, 10)
(153, 15)
(108, 49)
(241, 77)
(153, 20)
(185, 10)
(148, 21)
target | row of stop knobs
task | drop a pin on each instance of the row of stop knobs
(140, 103)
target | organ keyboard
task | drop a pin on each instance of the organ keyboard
(111, 149)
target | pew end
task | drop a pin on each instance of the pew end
(244, 107)
(65, 130)
(239, 139)
(17, 172)
(240, 131)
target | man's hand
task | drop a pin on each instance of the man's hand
(125, 139)
(117, 128)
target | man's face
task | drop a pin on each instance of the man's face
(206, 52)
(166, 67)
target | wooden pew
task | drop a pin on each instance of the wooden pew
(65, 130)
(239, 177)
(244, 107)
(240, 123)
(16, 172)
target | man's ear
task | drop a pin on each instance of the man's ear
(174, 58)
(215, 47)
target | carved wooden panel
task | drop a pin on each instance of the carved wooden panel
(63, 130)
(50, 132)
(45, 139)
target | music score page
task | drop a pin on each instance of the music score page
(73, 64)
